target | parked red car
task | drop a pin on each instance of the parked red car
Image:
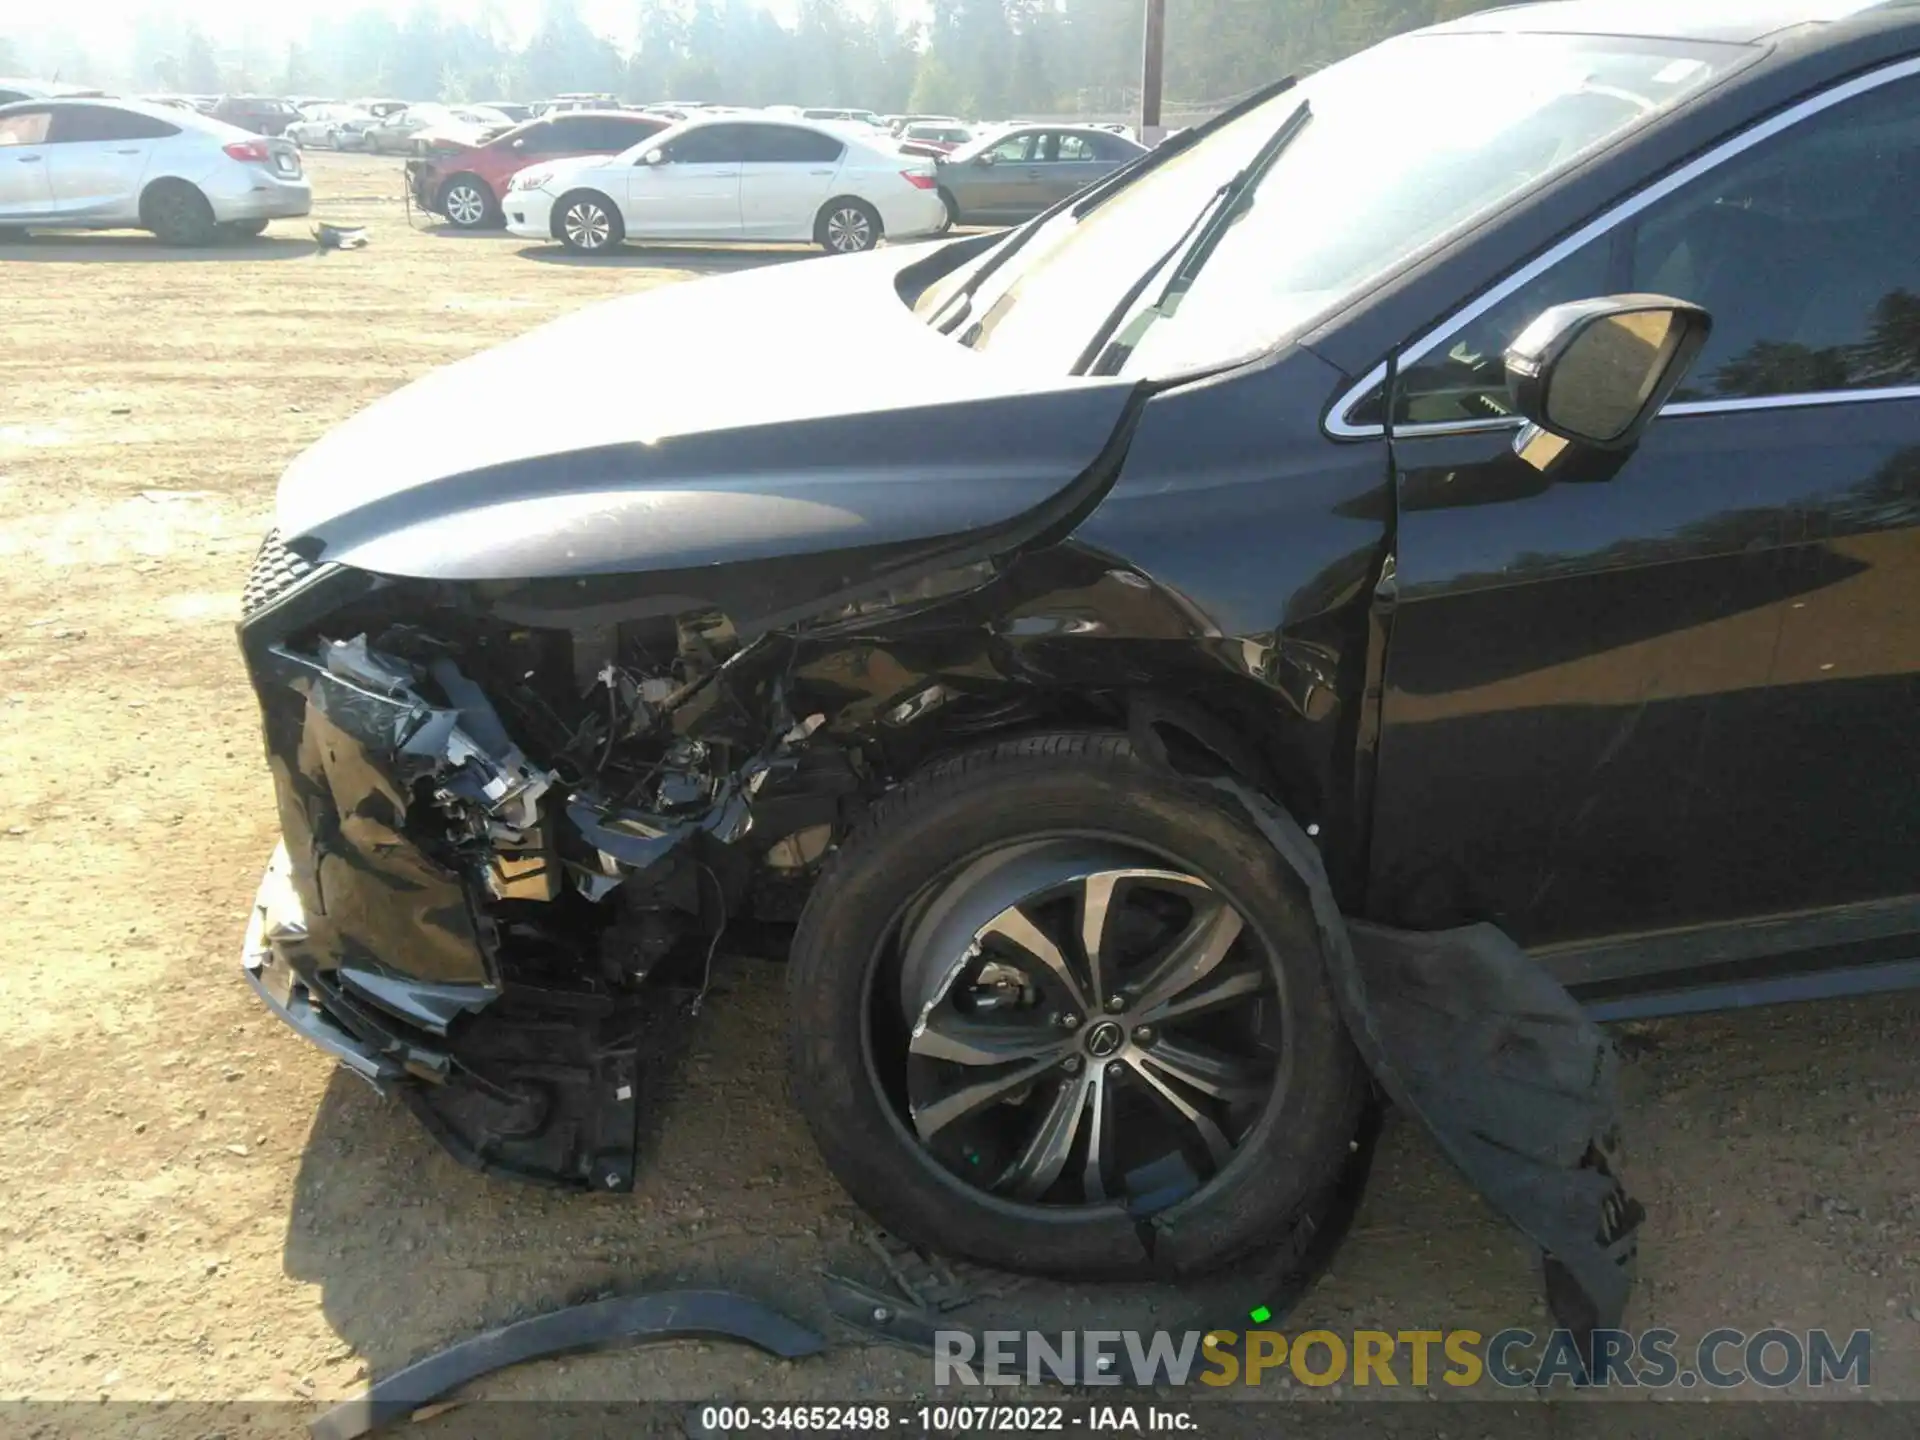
(933, 137)
(465, 183)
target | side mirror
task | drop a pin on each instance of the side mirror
(521, 143)
(1596, 372)
(986, 159)
(653, 157)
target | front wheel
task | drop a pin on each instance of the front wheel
(588, 223)
(848, 226)
(468, 203)
(1057, 1010)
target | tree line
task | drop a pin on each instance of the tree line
(979, 58)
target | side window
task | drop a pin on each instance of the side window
(572, 132)
(710, 145)
(790, 145)
(128, 125)
(76, 124)
(1801, 249)
(29, 127)
(534, 140)
(1014, 150)
(1075, 147)
(617, 135)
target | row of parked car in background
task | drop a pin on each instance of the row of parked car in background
(589, 178)
(582, 169)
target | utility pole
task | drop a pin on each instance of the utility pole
(1152, 57)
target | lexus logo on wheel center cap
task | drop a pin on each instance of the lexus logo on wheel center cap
(1104, 1040)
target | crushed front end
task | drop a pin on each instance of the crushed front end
(502, 869)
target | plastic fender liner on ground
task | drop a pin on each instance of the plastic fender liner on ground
(1501, 1066)
(597, 1325)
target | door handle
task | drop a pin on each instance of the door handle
(30, 159)
(819, 172)
(134, 151)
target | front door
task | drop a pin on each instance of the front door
(1678, 690)
(24, 188)
(97, 159)
(1067, 165)
(694, 193)
(997, 188)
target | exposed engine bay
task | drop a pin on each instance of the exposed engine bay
(571, 820)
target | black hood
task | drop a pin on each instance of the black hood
(793, 410)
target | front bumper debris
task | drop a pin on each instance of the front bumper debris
(276, 927)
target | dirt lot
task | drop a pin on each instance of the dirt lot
(197, 1205)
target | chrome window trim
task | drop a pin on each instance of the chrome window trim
(1790, 402)
(1337, 425)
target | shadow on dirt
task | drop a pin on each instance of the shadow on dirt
(697, 260)
(411, 1252)
(138, 247)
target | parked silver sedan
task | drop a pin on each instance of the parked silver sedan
(104, 164)
(331, 127)
(1014, 174)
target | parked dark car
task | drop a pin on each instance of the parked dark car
(1014, 174)
(261, 114)
(1284, 618)
(466, 183)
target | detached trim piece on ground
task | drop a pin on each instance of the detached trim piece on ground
(597, 1325)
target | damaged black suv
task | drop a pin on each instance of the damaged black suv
(1441, 536)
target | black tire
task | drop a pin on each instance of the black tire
(244, 229)
(953, 207)
(575, 224)
(846, 226)
(178, 214)
(467, 202)
(944, 821)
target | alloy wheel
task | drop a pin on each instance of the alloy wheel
(1086, 1025)
(849, 230)
(466, 206)
(586, 225)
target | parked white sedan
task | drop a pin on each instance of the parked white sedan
(731, 177)
(100, 164)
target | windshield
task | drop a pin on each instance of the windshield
(1408, 142)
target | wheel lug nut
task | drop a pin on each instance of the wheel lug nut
(1143, 1035)
(1067, 1022)
(1071, 1064)
(1116, 1003)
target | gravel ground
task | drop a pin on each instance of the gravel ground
(198, 1206)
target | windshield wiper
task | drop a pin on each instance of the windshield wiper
(1216, 215)
(950, 315)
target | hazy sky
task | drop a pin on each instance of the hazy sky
(96, 20)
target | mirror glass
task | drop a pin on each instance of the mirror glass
(1606, 375)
